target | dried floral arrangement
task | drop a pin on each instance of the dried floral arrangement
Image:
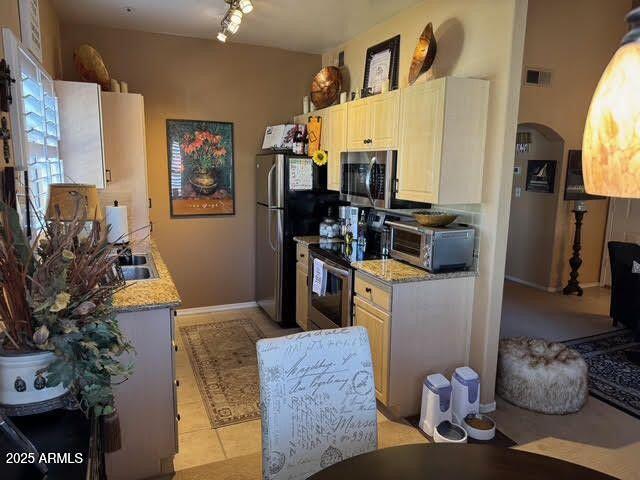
(57, 296)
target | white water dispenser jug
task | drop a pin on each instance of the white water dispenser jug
(436, 402)
(466, 393)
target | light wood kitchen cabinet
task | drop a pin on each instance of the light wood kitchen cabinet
(372, 122)
(378, 325)
(125, 150)
(335, 129)
(302, 286)
(385, 111)
(302, 298)
(358, 124)
(81, 136)
(415, 329)
(442, 134)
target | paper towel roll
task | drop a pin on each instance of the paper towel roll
(116, 217)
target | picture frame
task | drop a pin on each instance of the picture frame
(381, 63)
(200, 159)
(574, 183)
(541, 176)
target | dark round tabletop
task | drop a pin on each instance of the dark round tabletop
(447, 461)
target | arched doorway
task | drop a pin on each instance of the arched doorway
(532, 303)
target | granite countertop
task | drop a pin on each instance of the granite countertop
(392, 271)
(149, 294)
(315, 239)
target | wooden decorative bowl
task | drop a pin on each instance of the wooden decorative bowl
(90, 66)
(326, 86)
(432, 218)
(424, 55)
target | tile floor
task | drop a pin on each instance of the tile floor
(202, 445)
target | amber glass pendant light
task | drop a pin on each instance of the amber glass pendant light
(611, 142)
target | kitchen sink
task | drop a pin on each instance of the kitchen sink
(138, 267)
(136, 273)
(133, 260)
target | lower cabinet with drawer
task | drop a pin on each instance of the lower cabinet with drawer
(415, 329)
(302, 286)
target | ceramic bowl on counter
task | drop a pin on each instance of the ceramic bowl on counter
(434, 218)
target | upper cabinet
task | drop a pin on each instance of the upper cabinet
(372, 122)
(385, 110)
(442, 134)
(438, 128)
(335, 142)
(81, 139)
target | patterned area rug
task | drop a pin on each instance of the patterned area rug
(612, 377)
(223, 355)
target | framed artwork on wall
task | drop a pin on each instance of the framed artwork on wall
(574, 184)
(541, 176)
(201, 173)
(381, 65)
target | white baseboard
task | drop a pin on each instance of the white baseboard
(487, 407)
(547, 289)
(530, 284)
(215, 308)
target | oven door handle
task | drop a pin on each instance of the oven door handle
(368, 180)
(337, 271)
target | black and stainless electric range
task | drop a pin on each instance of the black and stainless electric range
(330, 301)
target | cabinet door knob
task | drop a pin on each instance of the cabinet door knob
(175, 347)
(302, 255)
(367, 289)
(178, 417)
(177, 382)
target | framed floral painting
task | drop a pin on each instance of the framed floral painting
(201, 176)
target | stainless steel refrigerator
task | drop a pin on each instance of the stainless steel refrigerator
(291, 199)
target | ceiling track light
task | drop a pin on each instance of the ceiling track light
(233, 18)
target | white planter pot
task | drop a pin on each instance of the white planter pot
(19, 384)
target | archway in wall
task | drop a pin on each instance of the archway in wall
(532, 304)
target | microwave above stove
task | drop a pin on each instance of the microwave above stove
(437, 249)
(366, 178)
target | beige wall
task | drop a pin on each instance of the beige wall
(482, 39)
(533, 214)
(575, 44)
(211, 258)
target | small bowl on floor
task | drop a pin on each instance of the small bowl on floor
(479, 427)
(447, 432)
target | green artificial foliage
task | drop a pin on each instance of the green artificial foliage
(71, 275)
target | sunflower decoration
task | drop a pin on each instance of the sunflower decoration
(320, 157)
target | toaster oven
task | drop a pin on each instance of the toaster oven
(437, 249)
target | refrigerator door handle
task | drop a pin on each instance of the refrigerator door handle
(269, 183)
(270, 206)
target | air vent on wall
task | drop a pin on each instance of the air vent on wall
(537, 77)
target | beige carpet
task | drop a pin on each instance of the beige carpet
(600, 436)
(223, 356)
(529, 312)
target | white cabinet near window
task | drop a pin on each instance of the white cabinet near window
(81, 143)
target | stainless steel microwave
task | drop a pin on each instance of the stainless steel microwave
(366, 178)
(435, 249)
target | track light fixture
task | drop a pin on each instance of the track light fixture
(233, 18)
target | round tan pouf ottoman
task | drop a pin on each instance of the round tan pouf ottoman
(541, 376)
